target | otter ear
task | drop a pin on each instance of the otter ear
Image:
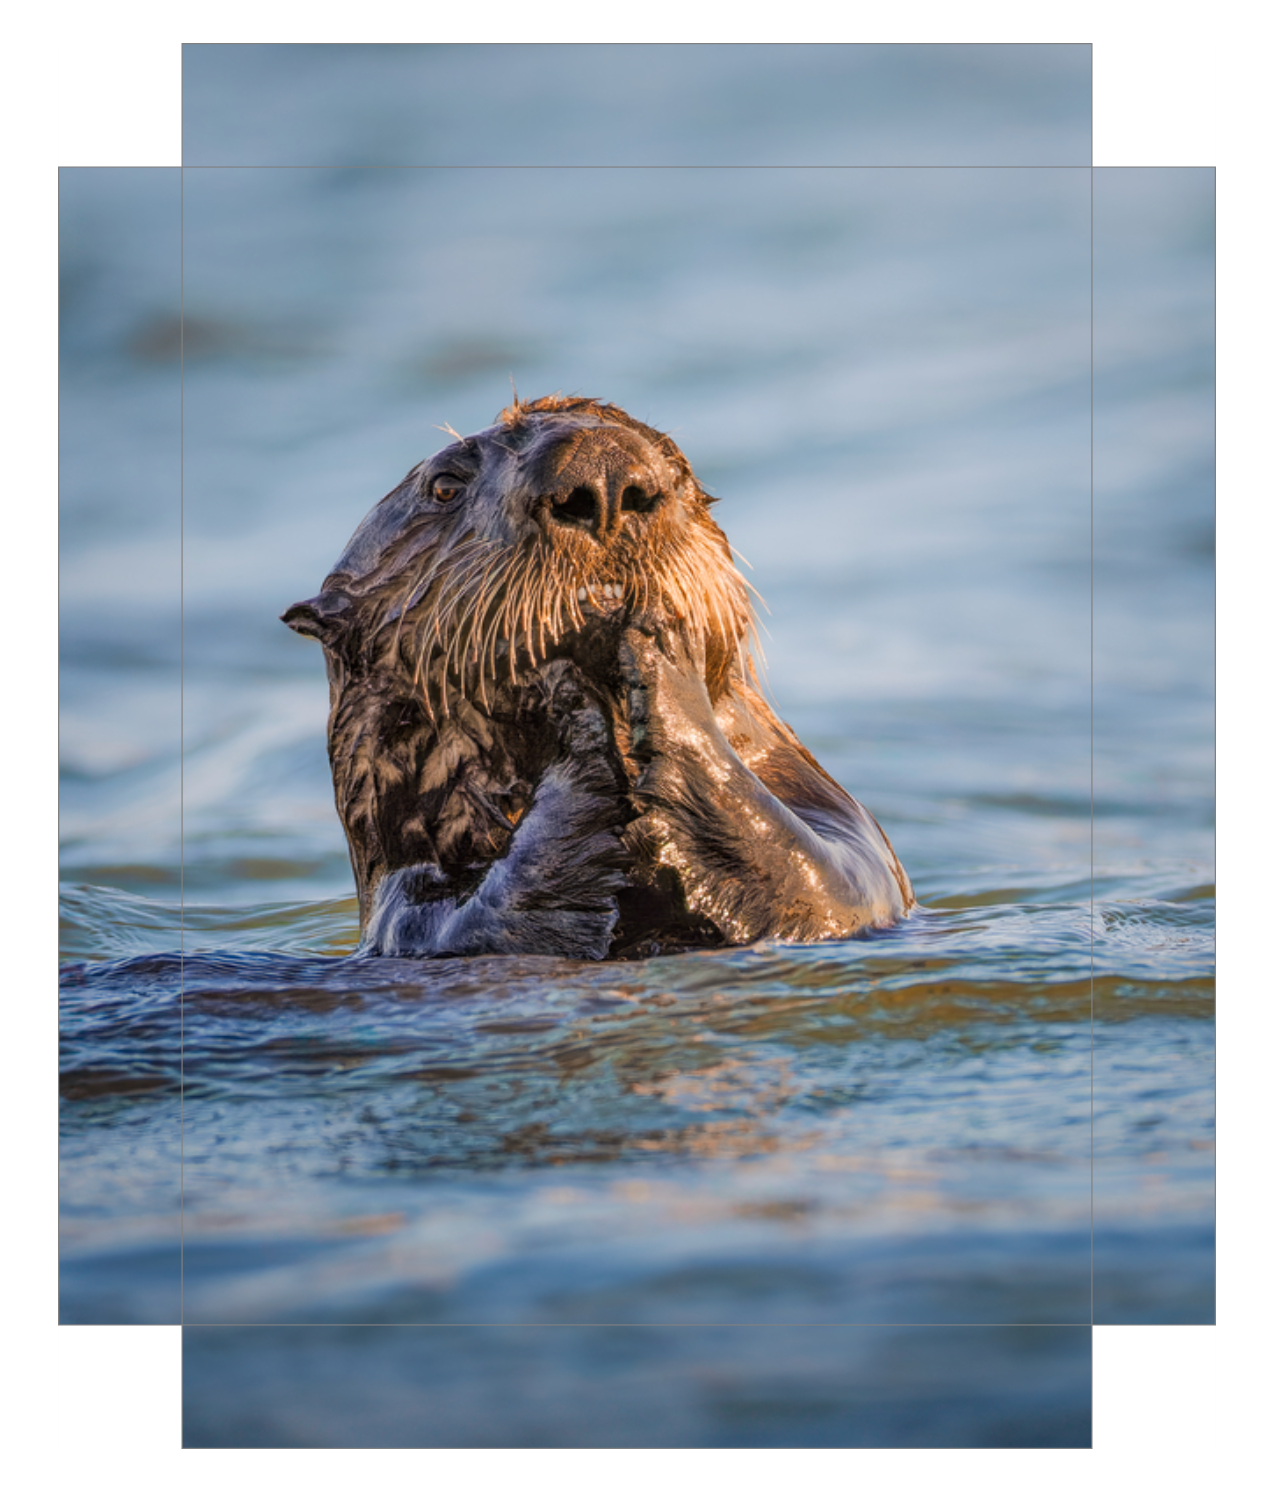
(321, 617)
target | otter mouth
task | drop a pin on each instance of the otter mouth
(594, 614)
(601, 599)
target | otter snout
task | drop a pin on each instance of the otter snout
(598, 481)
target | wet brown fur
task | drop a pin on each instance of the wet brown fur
(453, 637)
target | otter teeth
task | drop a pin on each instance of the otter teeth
(610, 591)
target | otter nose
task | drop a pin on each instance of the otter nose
(600, 508)
(594, 482)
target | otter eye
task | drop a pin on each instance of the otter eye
(446, 487)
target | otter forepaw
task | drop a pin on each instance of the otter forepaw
(670, 717)
(554, 892)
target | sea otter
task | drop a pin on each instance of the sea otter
(546, 735)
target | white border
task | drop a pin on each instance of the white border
(101, 87)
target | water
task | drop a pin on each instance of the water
(886, 375)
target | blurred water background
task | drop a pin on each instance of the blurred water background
(1000, 1114)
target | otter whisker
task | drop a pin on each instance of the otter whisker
(461, 637)
(414, 594)
(641, 582)
(571, 595)
(487, 607)
(541, 607)
(526, 615)
(755, 593)
(543, 596)
(501, 628)
(712, 607)
(558, 595)
(513, 616)
(454, 596)
(453, 653)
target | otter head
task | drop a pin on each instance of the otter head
(540, 537)
(507, 547)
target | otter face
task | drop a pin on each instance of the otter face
(494, 554)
